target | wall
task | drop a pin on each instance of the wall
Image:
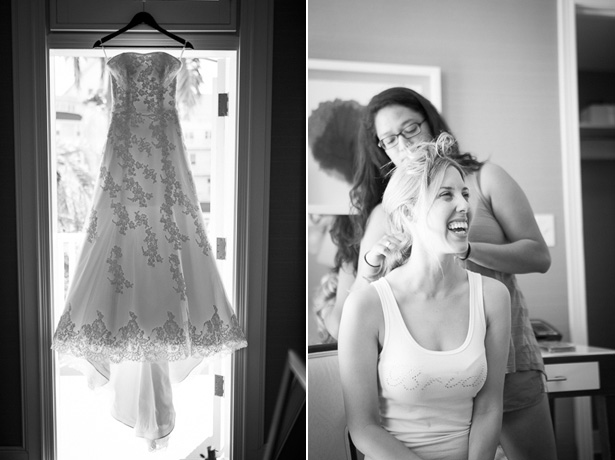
(286, 276)
(499, 91)
(10, 384)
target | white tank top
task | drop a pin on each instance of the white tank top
(426, 396)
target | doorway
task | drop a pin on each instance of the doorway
(596, 74)
(571, 136)
(79, 110)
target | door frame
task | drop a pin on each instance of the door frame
(30, 39)
(573, 207)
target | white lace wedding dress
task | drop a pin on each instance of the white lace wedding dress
(146, 304)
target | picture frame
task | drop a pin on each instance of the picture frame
(330, 80)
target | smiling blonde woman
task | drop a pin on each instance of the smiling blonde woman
(423, 349)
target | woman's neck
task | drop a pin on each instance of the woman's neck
(433, 276)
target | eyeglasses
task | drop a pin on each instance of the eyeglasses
(408, 132)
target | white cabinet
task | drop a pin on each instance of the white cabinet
(572, 376)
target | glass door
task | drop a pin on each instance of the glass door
(80, 104)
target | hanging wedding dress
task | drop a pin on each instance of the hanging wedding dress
(146, 304)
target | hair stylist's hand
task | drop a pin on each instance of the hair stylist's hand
(382, 249)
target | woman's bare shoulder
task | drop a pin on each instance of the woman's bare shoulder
(494, 176)
(364, 303)
(491, 169)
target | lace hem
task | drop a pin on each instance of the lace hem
(170, 342)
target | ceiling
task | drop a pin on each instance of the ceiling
(596, 41)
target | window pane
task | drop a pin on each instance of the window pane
(80, 110)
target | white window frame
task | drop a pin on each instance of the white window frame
(31, 42)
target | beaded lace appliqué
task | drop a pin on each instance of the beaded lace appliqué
(115, 269)
(155, 210)
(145, 103)
(169, 342)
(92, 226)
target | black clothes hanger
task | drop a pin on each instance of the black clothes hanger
(143, 18)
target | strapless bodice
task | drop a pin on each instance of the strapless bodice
(143, 83)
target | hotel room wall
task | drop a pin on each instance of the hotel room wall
(499, 92)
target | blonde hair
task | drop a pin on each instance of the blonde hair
(411, 192)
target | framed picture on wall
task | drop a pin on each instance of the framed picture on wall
(338, 91)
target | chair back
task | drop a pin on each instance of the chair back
(328, 437)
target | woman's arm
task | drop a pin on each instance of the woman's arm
(487, 411)
(358, 358)
(375, 230)
(527, 251)
(347, 281)
(332, 317)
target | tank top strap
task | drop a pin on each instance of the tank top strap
(390, 309)
(474, 178)
(477, 304)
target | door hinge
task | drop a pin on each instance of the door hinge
(221, 248)
(223, 104)
(219, 386)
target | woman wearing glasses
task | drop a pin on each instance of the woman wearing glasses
(505, 240)
(372, 171)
